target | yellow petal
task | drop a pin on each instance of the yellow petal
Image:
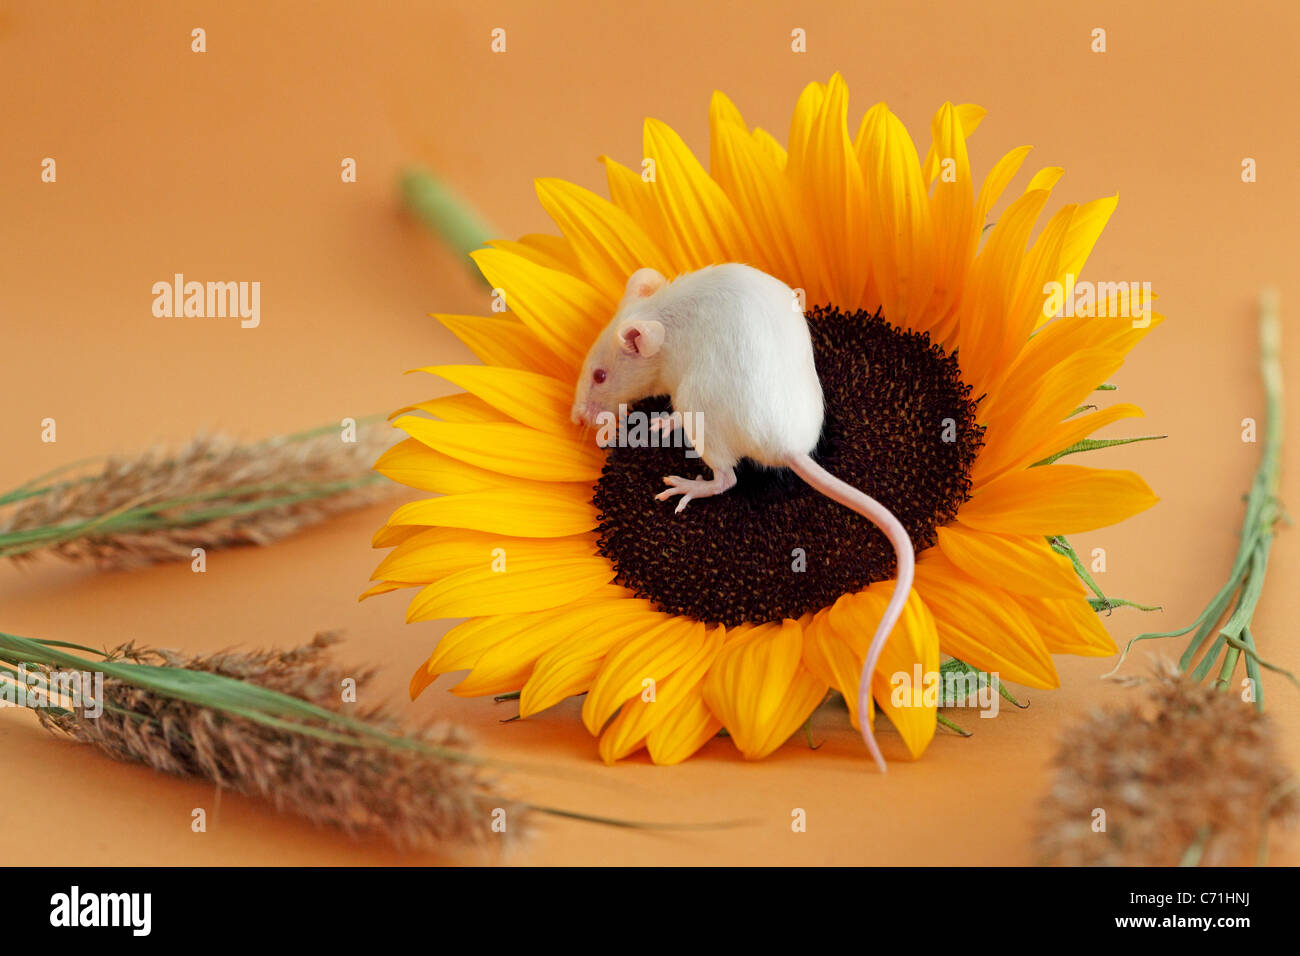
(508, 664)
(528, 584)
(539, 401)
(1070, 626)
(760, 689)
(635, 196)
(437, 552)
(570, 667)
(457, 407)
(996, 182)
(949, 288)
(1029, 301)
(608, 243)
(1074, 430)
(703, 225)
(463, 646)
(553, 252)
(1085, 229)
(761, 194)
(564, 312)
(639, 717)
(989, 290)
(684, 730)
(624, 671)
(841, 646)
(952, 208)
(414, 463)
(1022, 563)
(901, 233)
(773, 149)
(913, 649)
(542, 511)
(509, 448)
(1021, 424)
(722, 112)
(420, 681)
(983, 625)
(968, 116)
(1046, 178)
(393, 534)
(1056, 499)
(383, 587)
(836, 658)
(1055, 344)
(828, 179)
(505, 341)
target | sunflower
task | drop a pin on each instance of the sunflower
(951, 380)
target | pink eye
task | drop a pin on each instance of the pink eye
(598, 376)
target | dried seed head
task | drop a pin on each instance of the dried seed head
(213, 493)
(415, 799)
(1188, 769)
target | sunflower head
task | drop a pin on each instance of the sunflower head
(953, 380)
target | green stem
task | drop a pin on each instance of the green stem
(1214, 611)
(1207, 662)
(1249, 569)
(1061, 546)
(444, 213)
(1252, 667)
(1224, 680)
(945, 722)
(1244, 612)
(1247, 647)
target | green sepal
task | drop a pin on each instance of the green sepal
(1109, 604)
(945, 722)
(1092, 444)
(955, 666)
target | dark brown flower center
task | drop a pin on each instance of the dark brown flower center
(900, 425)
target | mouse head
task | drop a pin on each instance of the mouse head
(623, 364)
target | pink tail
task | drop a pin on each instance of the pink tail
(882, 518)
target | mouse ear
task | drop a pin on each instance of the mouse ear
(641, 337)
(643, 283)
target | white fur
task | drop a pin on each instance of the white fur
(737, 354)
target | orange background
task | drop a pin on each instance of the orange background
(225, 165)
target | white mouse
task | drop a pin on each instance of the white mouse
(730, 345)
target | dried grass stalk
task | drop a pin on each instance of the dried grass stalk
(415, 799)
(213, 493)
(1188, 775)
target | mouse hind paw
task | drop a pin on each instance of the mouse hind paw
(697, 487)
